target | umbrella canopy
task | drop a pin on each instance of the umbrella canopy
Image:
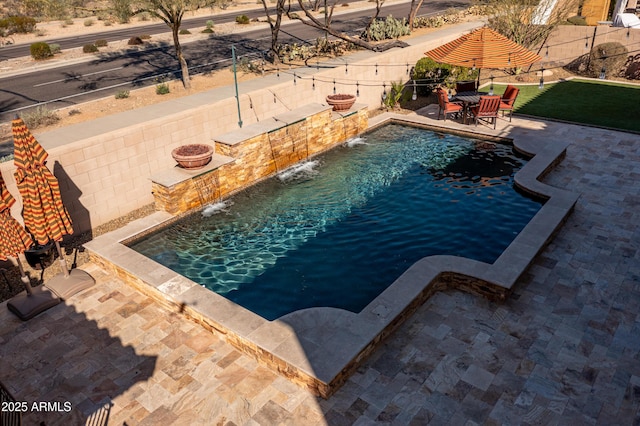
(13, 238)
(44, 214)
(483, 48)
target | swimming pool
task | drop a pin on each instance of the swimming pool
(337, 230)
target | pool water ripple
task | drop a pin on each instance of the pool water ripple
(338, 230)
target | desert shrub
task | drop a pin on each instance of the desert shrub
(611, 56)
(40, 50)
(209, 24)
(387, 29)
(69, 21)
(89, 48)
(55, 48)
(135, 41)
(184, 31)
(107, 23)
(430, 74)
(89, 22)
(207, 31)
(242, 19)
(162, 89)
(101, 43)
(17, 24)
(577, 20)
(122, 94)
(40, 33)
(632, 68)
(450, 16)
(40, 116)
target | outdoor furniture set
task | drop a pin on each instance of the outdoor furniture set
(480, 106)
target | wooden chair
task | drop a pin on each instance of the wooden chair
(465, 86)
(487, 109)
(446, 106)
(508, 100)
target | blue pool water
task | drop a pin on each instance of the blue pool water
(338, 230)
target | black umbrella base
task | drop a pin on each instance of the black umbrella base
(26, 306)
(65, 287)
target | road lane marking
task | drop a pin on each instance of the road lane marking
(80, 76)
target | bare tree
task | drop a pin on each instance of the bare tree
(528, 22)
(415, 6)
(314, 22)
(282, 7)
(171, 13)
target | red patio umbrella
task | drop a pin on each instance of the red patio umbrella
(483, 48)
(45, 217)
(14, 240)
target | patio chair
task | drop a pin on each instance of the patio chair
(508, 100)
(446, 106)
(465, 86)
(487, 109)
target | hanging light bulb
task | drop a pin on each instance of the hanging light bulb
(334, 86)
(509, 59)
(491, 86)
(407, 68)
(294, 78)
(473, 68)
(628, 34)
(357, 89)
(546, 54)
(586, 43)
(346, 69)
(274, 98)
(603, 73)
(541, 85)
(376, 69)
(313, 83)
(384, 91)
(278, 72)
(415, 93)
(317, 65)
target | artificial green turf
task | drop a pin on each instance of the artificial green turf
(597, 103)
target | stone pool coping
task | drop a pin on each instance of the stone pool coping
(318, 348)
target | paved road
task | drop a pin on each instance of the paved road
(77, 83)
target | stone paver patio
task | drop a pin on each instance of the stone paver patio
(563, 349)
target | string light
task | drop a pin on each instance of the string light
(278, 72)
(317, 65)
(346, 69)
(313, 83)
(384, 91)
(376, 69)
(334, 86)
(415, 93)
(603, 73)
(357, 89)
(586, 43)
(628, 33)
(274, 98)
(491, 86)
(473, 68)
(509, 59)
(407, 68)
(546, 55)
(541, 85)
(294, 78)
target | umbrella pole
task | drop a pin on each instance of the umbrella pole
(63, 262)
(23, 277)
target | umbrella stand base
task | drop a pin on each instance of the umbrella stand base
(65, 287)
(26, 306)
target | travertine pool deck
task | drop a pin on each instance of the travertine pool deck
(564, 348)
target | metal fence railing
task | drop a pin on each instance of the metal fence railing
(10, 414)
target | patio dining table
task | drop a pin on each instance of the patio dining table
(467, 99)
